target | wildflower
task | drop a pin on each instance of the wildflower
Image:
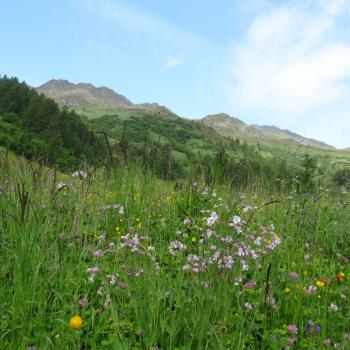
(320, 284)
(327, 342)
(101, 239)
(250, 285)
(310, 327)
(226, 262)
(292, 329)
(122, 285)
(334, 307)
(75, 322)
(151, 249)
(194, 239)
(83, 303)
(80, 174)
(212, 219)
(93, 272)
(175, 247)
(340, 277)
(310, 290)
(113, 279)
(291, 341)
(187, 222)
(287, 290)
(317, 329)
(97, 253)
(293, 275)
(60, 186)
(248, 306)
(111, 248)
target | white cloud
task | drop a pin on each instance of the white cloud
(292, 64)
(172, 62)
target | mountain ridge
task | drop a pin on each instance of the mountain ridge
(95, 101)
(83, 95)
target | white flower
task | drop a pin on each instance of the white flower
(175, 247)
(61, 185)
(248, 306)
(80, 174)
(334, 307)
(212, 219)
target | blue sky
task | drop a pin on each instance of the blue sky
(283, 63)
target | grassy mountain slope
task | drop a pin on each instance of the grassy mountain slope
(235, 128)
(273, 141)
(116, 111)
(89, 100)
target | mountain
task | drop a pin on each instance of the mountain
(82, 95)
(107, 110)
(90, 100)
(235, 128)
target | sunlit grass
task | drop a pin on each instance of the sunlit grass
(145, 266)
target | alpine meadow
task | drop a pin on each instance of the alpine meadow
(129, 226)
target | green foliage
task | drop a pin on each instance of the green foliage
(34, 126)
(307, 173)
(341, 178)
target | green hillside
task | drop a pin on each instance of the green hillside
(34, 126)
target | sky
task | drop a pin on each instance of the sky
(266, 62)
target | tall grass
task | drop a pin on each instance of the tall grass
(164, 278)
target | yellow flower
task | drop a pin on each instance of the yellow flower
(269, 241)
(320, 284)
(75, 322)
(194, 239)
(305, 273)
(287, 290)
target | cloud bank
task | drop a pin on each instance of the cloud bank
(293, 68)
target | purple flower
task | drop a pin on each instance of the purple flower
(317, 329)
(122, 285)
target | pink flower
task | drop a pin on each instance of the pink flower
(82, 303)
(293, 275)
(97, 253)
(122, 285)
(291, 341)
(327, 342)
(250, 285)
(311, 290)
(292, 328)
